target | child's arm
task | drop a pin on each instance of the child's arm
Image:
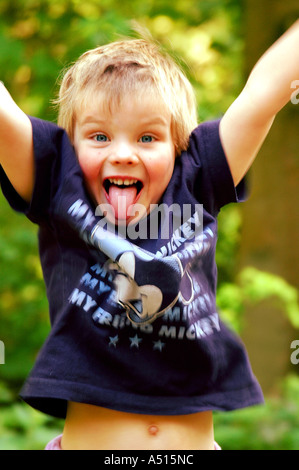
(16, 146)
(247, 122)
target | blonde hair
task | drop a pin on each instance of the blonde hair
(123, 67)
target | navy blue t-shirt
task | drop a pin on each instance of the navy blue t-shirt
(134, 323)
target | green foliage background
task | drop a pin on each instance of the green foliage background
(39, 38)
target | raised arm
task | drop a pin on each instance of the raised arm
(16, 146)
(247, 122)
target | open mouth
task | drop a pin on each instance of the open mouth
(122, 194)
(123, 183)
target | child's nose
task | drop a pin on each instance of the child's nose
(123, 154)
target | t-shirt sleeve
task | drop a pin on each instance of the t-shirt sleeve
(214, 186)
(49, 141)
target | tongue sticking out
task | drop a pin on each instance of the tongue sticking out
(121, 199)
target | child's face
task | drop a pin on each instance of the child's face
(127, 157)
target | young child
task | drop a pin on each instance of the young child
(126, 193)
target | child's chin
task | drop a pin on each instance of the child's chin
(133, 215)
(124, 221)
(130, 220)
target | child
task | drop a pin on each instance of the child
(137, 357)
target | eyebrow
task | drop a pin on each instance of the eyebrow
(157, 120)
(92, 120)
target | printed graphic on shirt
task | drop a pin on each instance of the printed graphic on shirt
(143, 303)
(134, 287)
(146, 284)
(189, 319)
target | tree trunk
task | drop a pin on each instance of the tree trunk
(271, 215)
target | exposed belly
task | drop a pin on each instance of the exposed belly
(89, 427)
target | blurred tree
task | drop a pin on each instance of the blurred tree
(270, 227)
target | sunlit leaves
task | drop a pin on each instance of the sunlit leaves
(40, 37)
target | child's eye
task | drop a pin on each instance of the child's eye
(147, 139)
(101, 138)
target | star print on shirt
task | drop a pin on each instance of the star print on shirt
(158, 345)
(113, 340)
(135, 340)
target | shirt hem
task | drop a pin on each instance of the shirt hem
(54, 401)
